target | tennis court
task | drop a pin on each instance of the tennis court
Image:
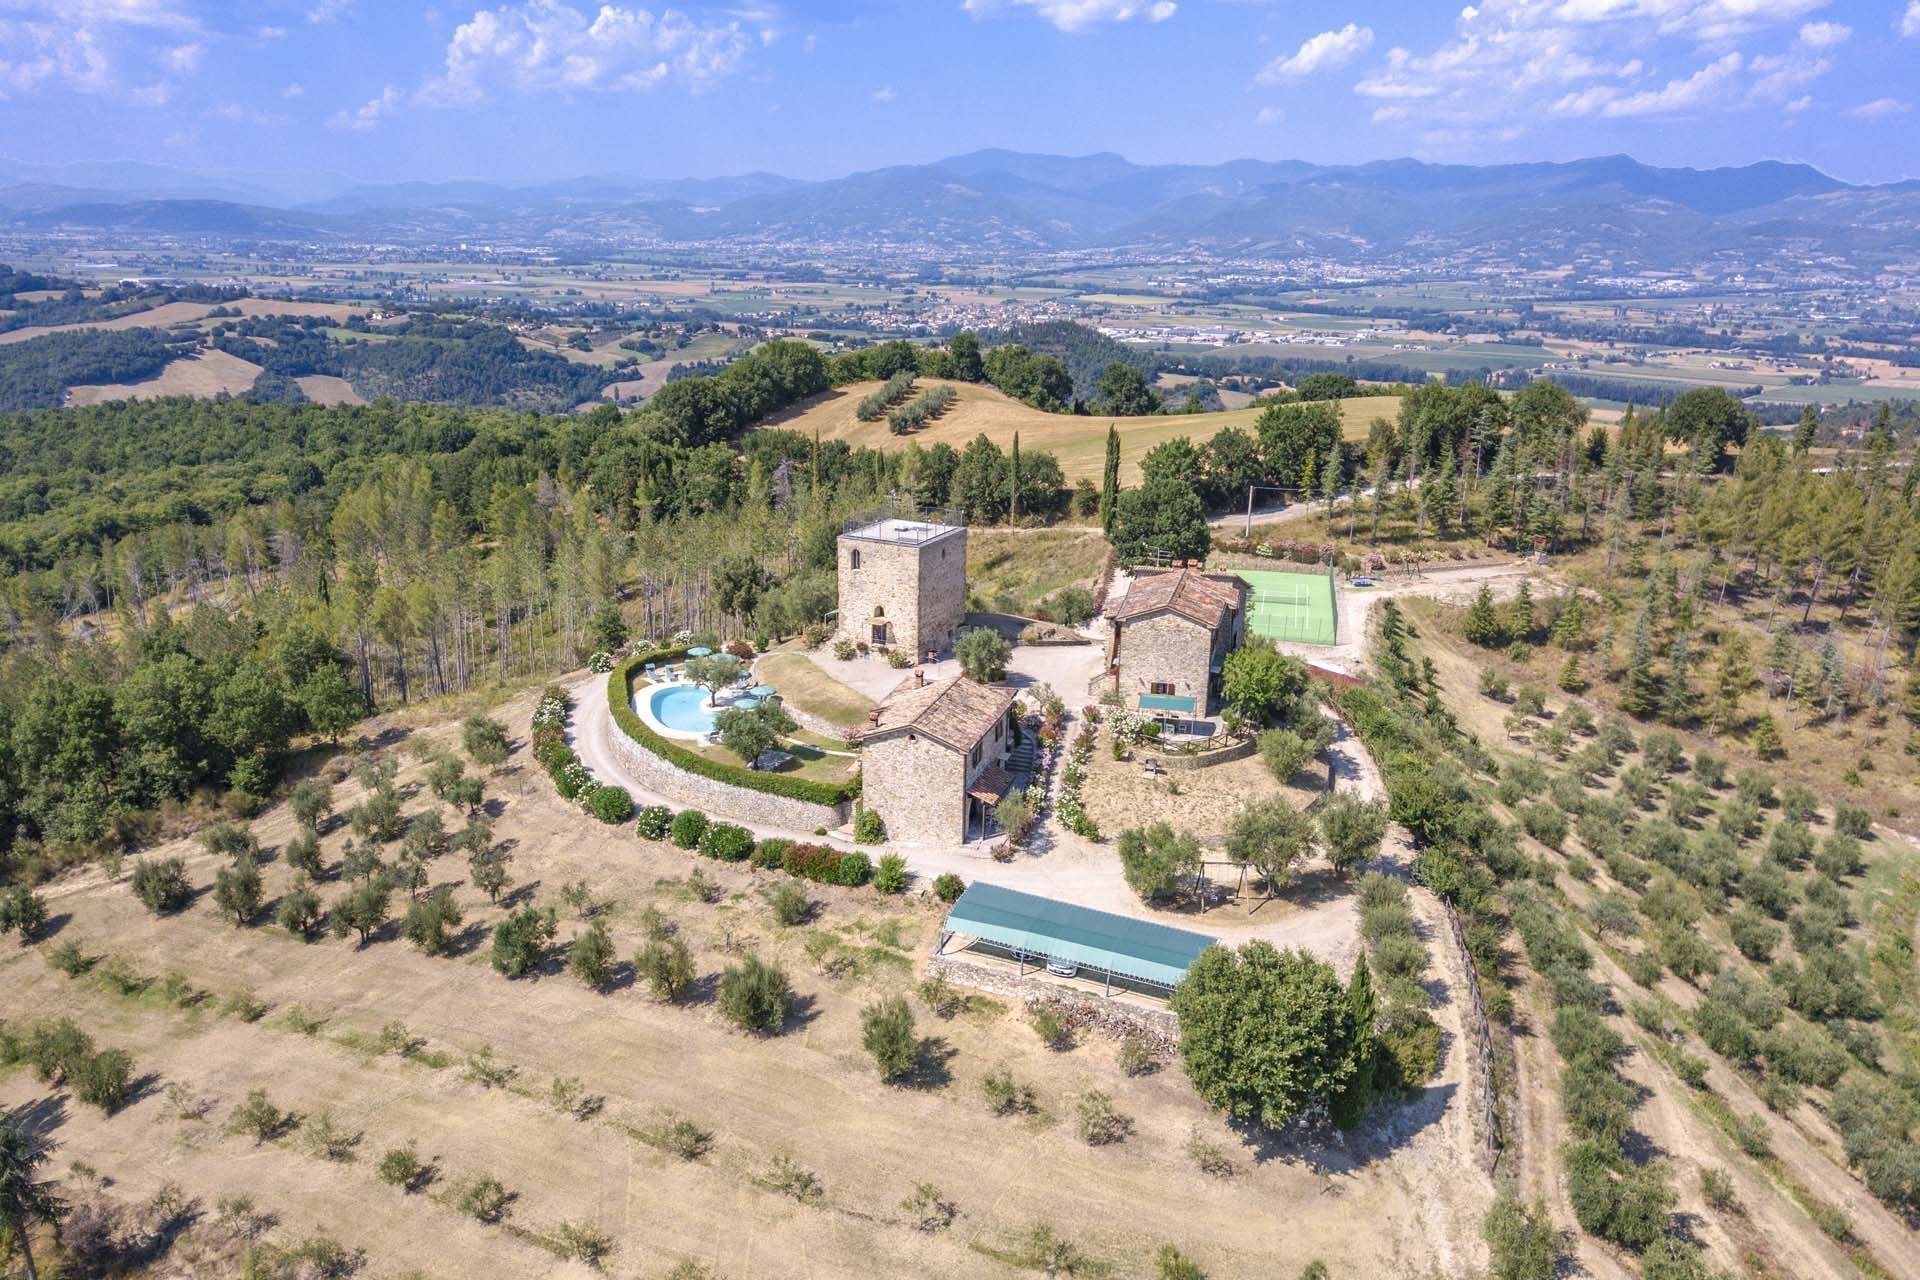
(1291, 606)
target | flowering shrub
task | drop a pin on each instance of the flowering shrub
(551, 711)
(600, 663)
(654, 821)
(1072, 808)
(574, 780)
(726, 842)
(682, 638)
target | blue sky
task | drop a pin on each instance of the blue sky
(383, 89)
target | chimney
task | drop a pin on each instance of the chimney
(919, 677)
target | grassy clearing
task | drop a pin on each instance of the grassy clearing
(1079, 443)
(803, 684)
(1010, 571)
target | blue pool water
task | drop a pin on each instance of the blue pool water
(682, 707)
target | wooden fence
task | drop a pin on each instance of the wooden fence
(1479, 1043)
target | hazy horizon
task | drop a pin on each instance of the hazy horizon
(537, 90)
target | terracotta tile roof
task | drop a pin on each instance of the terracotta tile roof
(992, 785)
(958, 712)
(1187, 592)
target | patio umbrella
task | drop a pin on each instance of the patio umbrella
(746, 704)
(763, 691)
(699, 651)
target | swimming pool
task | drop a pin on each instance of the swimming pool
(682, 709)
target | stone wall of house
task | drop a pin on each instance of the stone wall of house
(720, 800)
(1083, 1011)
(917, 786)
(1165, 648)
(920, 590)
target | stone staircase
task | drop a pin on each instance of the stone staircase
(1022, 760)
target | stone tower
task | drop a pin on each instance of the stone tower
(903, 583)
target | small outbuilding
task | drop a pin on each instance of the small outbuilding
(933, 758)
(1170, 637)
(1062, 938)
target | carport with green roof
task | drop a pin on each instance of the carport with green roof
(1134, 955)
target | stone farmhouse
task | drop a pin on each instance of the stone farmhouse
(933, 758)
(903, 583)
(1170, 635)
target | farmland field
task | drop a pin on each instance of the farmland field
(206, 374)
(1078, 442)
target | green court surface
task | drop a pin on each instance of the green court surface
(1291, 606)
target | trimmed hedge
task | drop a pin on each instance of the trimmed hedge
(620, 700)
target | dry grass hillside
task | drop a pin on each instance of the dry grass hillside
(1079, 443)
(654, 1127)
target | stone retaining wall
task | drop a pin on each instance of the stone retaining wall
(1115, 1019)
(718, 799)
(1177, 762)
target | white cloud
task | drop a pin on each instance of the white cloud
(1323, 52)
(329, 10)
(1798, 105)
(1676, 97)
(1269, 115)
(271, 33)
(294, 90)
(370, 115)
(1880, 109)
(84, 45)
(1910, 20)
(884, 93)
(1518, 62)
(1079, 15)
(239, 114)
(547, 46)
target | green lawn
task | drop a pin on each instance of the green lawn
(804, 685)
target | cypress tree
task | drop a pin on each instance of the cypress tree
(1013, 486)
(1347, 1107)
(1110, 484)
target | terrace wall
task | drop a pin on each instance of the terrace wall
(718, 799)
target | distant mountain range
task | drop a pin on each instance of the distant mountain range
(1610, 209)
